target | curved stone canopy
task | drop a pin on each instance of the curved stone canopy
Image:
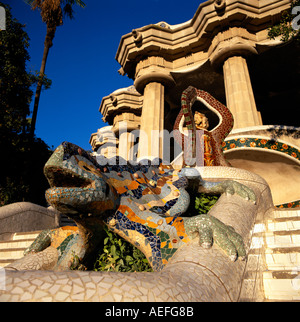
(278, 170)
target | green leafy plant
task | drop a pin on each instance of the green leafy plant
(76, 265)
(204, 202)
(120, 256)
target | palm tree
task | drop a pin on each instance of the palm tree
(52, 13)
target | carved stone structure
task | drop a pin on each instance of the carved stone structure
(224, 50)
(122, 109)
(220, 50)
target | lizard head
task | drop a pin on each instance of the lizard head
(76, 183)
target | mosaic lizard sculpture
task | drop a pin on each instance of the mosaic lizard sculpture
(142, 203)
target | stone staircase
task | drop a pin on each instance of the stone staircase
(11, 250)
(281, 279)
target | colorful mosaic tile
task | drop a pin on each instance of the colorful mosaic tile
(268, 144)
(143, 203)
(205, 145)
(261, 144)
(293, 204)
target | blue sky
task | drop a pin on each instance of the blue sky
(81, 63)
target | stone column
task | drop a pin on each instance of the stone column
(239, 93)
(126, 143)
(124, 128)
(152, 121)
(107, 142)
(152, 78)
(131, 142)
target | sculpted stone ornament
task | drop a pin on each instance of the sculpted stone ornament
(203, 146)
(145, 204)
(220, 5)
(138, 37)
(201, 121)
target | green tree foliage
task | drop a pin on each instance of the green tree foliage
(286, 27)
(15, 93)
(21, 158)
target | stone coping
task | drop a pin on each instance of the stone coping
(26, 216)
(196, 35)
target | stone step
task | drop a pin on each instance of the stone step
(284, 224)
(282, 249)
(5, 262)
(19, 243)
(282, 285)
(282, 239)
(278, 213)
(26, 235)
(282, 255)
(282, 258)
(13, 249)
(277, 240)
(12, 253)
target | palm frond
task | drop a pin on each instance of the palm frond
(34, 3)
(68, 7)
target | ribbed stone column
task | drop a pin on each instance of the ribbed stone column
(126, 143)
(152, 122)
(239, 93)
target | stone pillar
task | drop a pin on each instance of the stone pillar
(131, 142)
(152, 122)
(124, 128)
(228, 50)
(107, 142)
(239, 93)
(126, 143)
(152, 79)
